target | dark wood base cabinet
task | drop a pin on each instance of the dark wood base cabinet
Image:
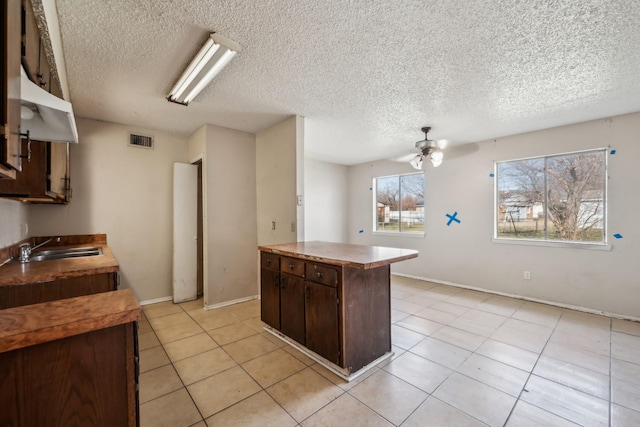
(340, 312)
(71, 363)
(69, 287)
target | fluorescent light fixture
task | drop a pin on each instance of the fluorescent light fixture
(210, 60)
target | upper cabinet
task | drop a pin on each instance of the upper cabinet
(37, 171)
(10, 160)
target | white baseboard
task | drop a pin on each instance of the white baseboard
(156, 300)
(226, 303)
(506, 294)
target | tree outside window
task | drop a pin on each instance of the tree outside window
(399, 203)
(557, 198)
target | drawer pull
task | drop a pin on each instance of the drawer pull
(268, 261)
(319, 275)
(292, 267)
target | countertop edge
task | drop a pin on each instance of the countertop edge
(30, 325)
(410, 253)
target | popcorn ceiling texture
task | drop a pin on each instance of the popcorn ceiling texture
(366, 74)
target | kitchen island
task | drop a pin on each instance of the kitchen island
(330, 300)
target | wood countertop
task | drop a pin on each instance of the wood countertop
(39, 323)
(16, 273)
(348, 255)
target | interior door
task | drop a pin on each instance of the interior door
(185, 232)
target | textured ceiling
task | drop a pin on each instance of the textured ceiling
(366, 74)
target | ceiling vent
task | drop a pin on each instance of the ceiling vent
(142, 141)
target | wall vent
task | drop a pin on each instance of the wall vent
(142, 141)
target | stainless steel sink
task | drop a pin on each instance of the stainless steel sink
(51, 254)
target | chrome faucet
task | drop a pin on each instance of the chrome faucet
(26, 249)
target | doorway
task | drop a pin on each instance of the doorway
(200, 232)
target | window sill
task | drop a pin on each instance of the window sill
(553, 244)
(396, 234)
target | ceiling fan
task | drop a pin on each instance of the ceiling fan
(428, 149)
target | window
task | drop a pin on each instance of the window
(399, 203)
(554, 198)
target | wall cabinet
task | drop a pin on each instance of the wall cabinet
(44, 177)
(21, 44)
(10, 89)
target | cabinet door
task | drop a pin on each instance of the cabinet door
(10, 87)
(321, 320)
(292, 307)
(32, 180)
(58, 170)
(30, 41)
(270, 297)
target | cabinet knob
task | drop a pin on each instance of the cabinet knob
(291, 266)
(268, 261)
(319, 274)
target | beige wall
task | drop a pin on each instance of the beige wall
(125, 192)
(326, 201)
(465, 254)
(229, 175)
(13, 218)
(277, 173)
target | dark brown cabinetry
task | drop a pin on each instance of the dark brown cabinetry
(321, 322)
(84, 374)
(10, 89)
(44, 177)
(34, 293)
(270, 289)
(292, 297)
(300, 299)
(22, 45)
(333, 298)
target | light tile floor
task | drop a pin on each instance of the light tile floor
(462, 358)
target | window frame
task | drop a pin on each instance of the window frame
(375, 207)
(598, 245)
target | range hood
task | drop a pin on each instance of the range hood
(45, 116)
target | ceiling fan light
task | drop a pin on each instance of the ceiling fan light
(416, 162)
(436, 157)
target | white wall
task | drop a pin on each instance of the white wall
(465, 254)
(125, 192)
(326, 201)
(13, 217)
(229, 177)
(276, 182)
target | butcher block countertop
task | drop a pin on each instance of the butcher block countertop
(39, 323)
(347, 255)
(16, 273)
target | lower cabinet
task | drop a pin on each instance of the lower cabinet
(270, 294)
(34, 293)
(89, 379)
(340, 313)
(292, 303)
(321, 321)
(300, 308)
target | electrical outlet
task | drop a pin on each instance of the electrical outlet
(293, 226)
(273, 225)
(527, 275)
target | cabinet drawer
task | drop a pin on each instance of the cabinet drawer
(269, 261)
(292, 266)
(322, 274)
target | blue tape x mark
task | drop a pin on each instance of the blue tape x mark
(453, 218)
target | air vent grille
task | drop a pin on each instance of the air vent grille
(142, 141)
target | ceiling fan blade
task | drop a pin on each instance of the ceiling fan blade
(404, 158)
(462, 150)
